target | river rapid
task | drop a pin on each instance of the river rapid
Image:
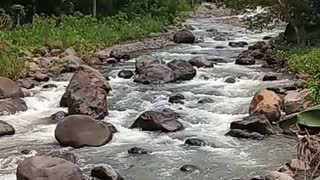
(224, 158)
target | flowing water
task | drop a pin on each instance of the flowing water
(224, 158)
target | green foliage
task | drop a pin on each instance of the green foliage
(11, 65)
(308, 118)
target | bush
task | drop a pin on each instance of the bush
(11, 65)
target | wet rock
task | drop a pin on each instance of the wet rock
(87, 93)
(258, 45)
(58, 117)
(47, 168)
(12, 106)
(271, 60)
(155, 74)
(230, 80)
(26, 83)
(238, 44)
(9, 89)
(277, 90)
(183, 70)
(257, 54)
(238, 133)
(274, 175)
(80, 130)
(71, 157)
(220, 38)
(137, 151)
(267, 38)
(111, 60)
(270, 77)
(33, 67)
(49, 86)
(146, 60)
(105, 172)
(171, 113)
(220, 47)
(212, 30)
(157, 121)
(111, 127)
(295, 102)
(298, 165)
(218, 60)
(245, 61)
(184, 36)
(259, 124)
(177, 99)
(195, 142)
(125, 74)
(189, 168)
(201, 62)
(266, 103)
(206, 100)
(26, 151)
(6, 129)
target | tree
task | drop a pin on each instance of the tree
(19, 12)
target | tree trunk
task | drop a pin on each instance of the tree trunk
(94, 10)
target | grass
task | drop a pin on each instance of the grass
(84, 33)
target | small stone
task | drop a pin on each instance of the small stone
(57, 117)
(137, 151)
(33, 67)
(206, 100)
(111, 60)
(220, 38)
(70, 51)
(105, 172)
(258, 45)
(25, 151)
(189, 168)
(230, 80)
(125, 74)
(177, 99)
(270, 77)
(39, 77)
(238, 44)
(195, 142)
(49, 86)
(56, 52)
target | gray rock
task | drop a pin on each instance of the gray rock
(155, 74)
(47, 168)
(157, 121)
(184, 36)
(80, 130)
(125, 74)
(87, 93)
(201, 62)
(183, 70)
(189, 168)
(195, 142)
(238, 133)
(12, 106)
(138, 151)
(6, 129)
(259, 124)
(105, 172)
(177, 98)
(57, 117)
(9, 89)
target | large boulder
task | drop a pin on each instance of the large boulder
(80, 130)
(259, 124)
(9, 89)
(183, 70)
(12, 106)
(146, 60)
(155, 74)
(157, 121)
(6, 129)
(201, 62)
(184, 36)
(105, 172)
(266, 103)
(87, 93)
(295, 101)
(47, 168)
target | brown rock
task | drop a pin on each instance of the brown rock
(81, 130)
(33, 67)
(295, 101)
(56, 52)
(105, 172)
(87, 93)
(184, 36)
(70, 51)
(26, 83)
(47, 168)
(266, 103)
(155, 74)
(183, 70)
(9, 89)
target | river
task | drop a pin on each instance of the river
(224, 158)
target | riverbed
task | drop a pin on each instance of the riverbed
(224, 158)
